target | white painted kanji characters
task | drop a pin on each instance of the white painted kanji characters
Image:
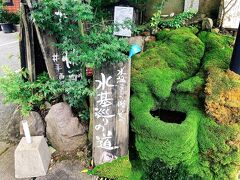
(107, 157)
(105, 142)
(121, 116)
(55, 57)
(104, 100)
(58, 67)
(104, 82)
(61, 76)
(111, 105)
(120, 76)
(121, 103)
(74, 77)
(103, 114)
(99, 127)
(59, 13)
(66, 60)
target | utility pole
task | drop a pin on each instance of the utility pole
(235, 62)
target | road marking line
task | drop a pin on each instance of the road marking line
(8, 43)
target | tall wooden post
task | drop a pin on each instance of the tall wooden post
(111, 112)
(111, 103)
(29, 42)
(235, 62)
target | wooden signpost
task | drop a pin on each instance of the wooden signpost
(111, 103)
(111, 112)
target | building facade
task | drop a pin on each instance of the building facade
(12, 5)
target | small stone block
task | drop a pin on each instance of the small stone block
(32, 160)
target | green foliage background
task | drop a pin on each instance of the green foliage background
(93, 44)
(32, 95)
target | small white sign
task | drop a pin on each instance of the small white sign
(191, 5)
(121, 16)
(231, 12)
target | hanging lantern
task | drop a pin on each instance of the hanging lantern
(235, 61)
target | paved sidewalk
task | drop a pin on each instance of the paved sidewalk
(9, 51)
(64, 170)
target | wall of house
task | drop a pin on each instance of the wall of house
(210, 8)
(15, 7)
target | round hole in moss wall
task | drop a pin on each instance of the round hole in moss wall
(169, 116)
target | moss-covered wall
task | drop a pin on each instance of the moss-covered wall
(208, 7)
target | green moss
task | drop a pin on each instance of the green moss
(120, 169)
(218, 50)
(220, 156)
(191, 85)
(171, 75)
(219, 81)
(167, 61)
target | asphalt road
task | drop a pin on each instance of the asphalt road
(9, 51)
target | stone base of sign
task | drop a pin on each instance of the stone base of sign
(32, 160)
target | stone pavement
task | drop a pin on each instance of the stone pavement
(4, 147)
(67, 170)
(64, 170)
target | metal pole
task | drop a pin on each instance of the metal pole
(235, 61)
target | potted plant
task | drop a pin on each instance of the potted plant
(7, 19)
(15, 19)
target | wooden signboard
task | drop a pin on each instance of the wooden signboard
(111, 112)
(57, 63)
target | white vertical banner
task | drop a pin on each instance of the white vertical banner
(121, 16)
(191, 5)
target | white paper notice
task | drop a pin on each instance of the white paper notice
(121, 15)
(191, 5)
(232, 17)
